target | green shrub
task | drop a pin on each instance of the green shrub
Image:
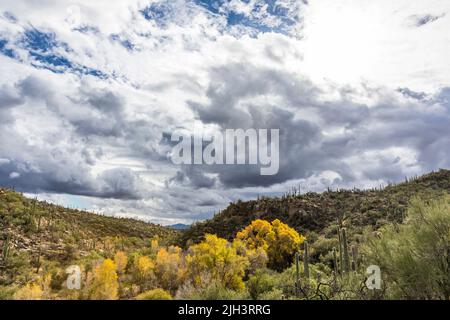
(261, 282)
(155, 294)
(275, 294)
(414, 258)
(213, 291)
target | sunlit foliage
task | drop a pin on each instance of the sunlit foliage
(220, 259)
(105, 285)
(276, 238)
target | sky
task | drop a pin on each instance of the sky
(91, 91)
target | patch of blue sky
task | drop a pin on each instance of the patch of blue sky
(36, 40)
(239, 19)
(265, 16)
(212, 6)
(5, 50)
(159, 12)
(76, 202)
(124, 42)
(46, 53)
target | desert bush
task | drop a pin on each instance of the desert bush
(274, 294)
(210, 290)
(31, 291)
(414, 257)
(155, 294)
(261, 282)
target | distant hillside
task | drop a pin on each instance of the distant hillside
(178, 226)
(54, 232)
(319, 213)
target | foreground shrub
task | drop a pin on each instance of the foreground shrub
(155, 294)
(414, 258)
(212, 290)
(30, 291)
(261, 282)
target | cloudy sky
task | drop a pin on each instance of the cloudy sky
(90, 92)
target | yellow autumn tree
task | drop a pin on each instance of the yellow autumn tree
(121, 260)
(144, 271)
(154, 245)
(105, 285)
(219, 259)
(169, 268)
(278, 239)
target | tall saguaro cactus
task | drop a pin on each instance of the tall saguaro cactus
(297, 273)
(345, 252)
(355, 258)
(335, 262)
(306, 259)
(341, 256)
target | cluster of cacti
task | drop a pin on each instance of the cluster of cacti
(344, 264)
(305, 266)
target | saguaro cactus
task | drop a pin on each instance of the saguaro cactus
(297, 273)
(355, 258)
(341, 256)
(306, 259)
(6, 248)
(345, 253)
(335, 262)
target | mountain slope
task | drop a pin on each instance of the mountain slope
(319, 213)
(52, 231)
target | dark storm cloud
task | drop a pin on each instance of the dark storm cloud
(304, 149)
(193, 176)
(62, 164)
(300, 139)
(31, 169)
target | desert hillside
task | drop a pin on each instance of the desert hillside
(319, 213)
(50, 231)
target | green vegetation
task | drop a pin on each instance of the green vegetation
(312, 246)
